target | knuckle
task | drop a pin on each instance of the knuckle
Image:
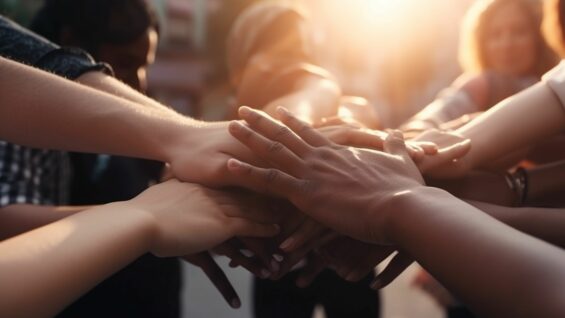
(283, 131)
(255, 118)
(271, 175)
(275, 147)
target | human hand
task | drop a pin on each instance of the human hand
(316, 169)
(189, 218)
(353, 260)
(449, 162)
(200, 158)
(350, 135)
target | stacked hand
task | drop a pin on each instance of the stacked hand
(344, 188)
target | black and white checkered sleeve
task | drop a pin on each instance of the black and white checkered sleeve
(23, 172)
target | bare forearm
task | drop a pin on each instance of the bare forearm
(19, 218)
(45, 111)
(546, 181)
(51, 266)
(543, 223)
(470, 252)
(108, 84)
(514, 123)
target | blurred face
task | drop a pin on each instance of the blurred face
(510, 46)
(130, 61)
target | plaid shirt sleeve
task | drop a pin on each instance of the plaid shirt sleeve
(32, 176)
(24, 46)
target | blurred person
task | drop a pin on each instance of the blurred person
(502, 51)
(270, 60)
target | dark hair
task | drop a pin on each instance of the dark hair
(94, 22)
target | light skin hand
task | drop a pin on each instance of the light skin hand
(350, 135)
(198, 220)
(314, 169)
(450, 161)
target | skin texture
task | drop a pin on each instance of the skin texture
(169, 219)
(495, 134)
(392, 206)
(55, 115)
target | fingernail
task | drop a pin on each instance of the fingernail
(234, 163)
(244, 110)
(287, 243)
(247, 253)
(275, 267)
(235, 303)
(265, 274)
(278, 257)
(234, 126)
(282, 111)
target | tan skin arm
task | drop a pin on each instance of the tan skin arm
(51, 266)
(532, 115)
(523, 275)
(45, 111)
(19, 218)
(518, 121)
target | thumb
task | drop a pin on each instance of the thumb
(394, 144)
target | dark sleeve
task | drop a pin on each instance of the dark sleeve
(24, 46)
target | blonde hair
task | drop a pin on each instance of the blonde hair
(553, 26)
(474, 29)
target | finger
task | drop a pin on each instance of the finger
(302, 129)
(330, 121)
(429, 147)
(233, 250)
(315, 265)
(244, 227)
(359, 138)
(399, 263)
(415, 152)
(267, 181)
(263, 249)
(218, 278)
(307, 231)
(394, 144)
(445, 156)
(268, 127)
(271, 151)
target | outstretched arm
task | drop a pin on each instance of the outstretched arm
(42, 110)
(524, 276)
(51, 266)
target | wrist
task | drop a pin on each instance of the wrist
(142, 222)
(405, 207)
(180, 137)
